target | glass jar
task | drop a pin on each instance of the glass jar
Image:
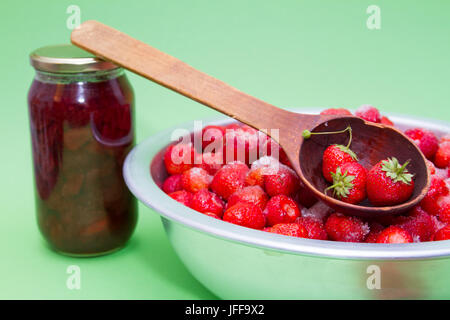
(81, 119)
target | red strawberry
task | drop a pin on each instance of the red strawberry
(349, 183)
(182, 196)
(211, 134)
(375, 230)
(315, 228)
(242, 144)
(345, 228)
(335, 156)
(211, 162)
(233, 126)
(442, 157)
(229, 179)
(394, 234)
(444, 209)
(260, 168)
(443, 234)
(289, 229)
(255, 177)
(336, 111)
(206, 201)
(273, 149)
(281, 209)
(386, 121)
(389, 183)
(369, 113)
(246, 215)
(425, 139)
(172, 184)
(252, 194)
(418, 224)
(179, 158)
(284, 181)
(438, 189)
(195, 179)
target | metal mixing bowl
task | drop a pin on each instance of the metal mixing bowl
(240, 263)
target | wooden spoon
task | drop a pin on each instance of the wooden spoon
(371, 142)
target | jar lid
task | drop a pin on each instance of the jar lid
(67, 58)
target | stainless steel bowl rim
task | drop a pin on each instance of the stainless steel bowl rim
(156, 199)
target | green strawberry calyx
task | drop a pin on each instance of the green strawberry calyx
(347, 150)
(342, 184)
(396, 171)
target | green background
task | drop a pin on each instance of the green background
(289, 53)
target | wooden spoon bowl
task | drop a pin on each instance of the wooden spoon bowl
(372, 142)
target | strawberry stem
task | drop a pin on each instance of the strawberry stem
(342, 183)
(307, 134)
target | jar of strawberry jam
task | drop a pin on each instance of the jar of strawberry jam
(81, 118)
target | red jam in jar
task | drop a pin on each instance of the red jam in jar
(81, 119)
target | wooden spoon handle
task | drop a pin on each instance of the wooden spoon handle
(157, 66)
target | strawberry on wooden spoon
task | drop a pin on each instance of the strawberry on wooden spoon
(389, 183)
(349, 183)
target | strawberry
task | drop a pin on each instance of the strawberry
(255, 177)
(252, 194)
(182, 196)
(386, 121)
(417, 223)
(289, 229)
(273, 149)
(242, 144)
(229, 179)
(319, 211)
(206, 201)
(281, 209)
(394, 234)
(443, 234)
(314, 227)
(211, 162)
(195, 179)
(260, 168)
(425, 139)
(368, 113)
(246, 215)
(375, 230)
(211, 134)
(233, 126)
(389, 183)
(284, 181)
(349, 183)
(172, 184)
(335, 156)
(444, 209)
(346, 228)
(336, 111)
(179, 158)
(438, 189)
(442, 157)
